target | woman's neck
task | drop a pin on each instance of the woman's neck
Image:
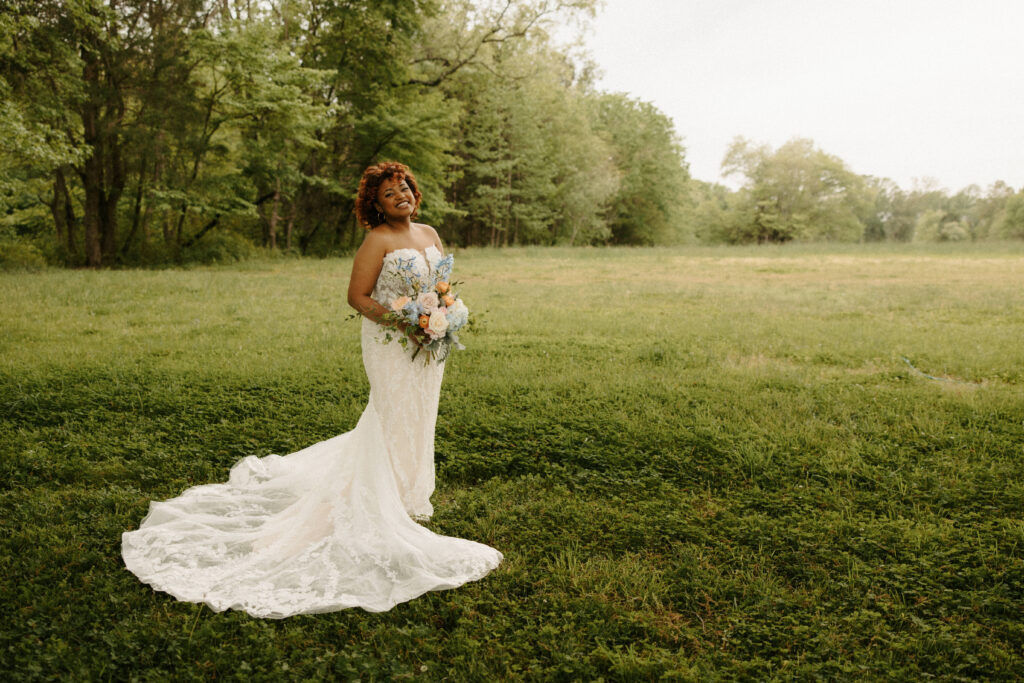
(402, 224)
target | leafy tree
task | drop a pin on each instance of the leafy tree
(381, 110)
(890, 215)
(990, 210)
(928, 225)
(1011, 224)
(151, 95)
(586, 180)
(652, 198)
(142, 131)
(40, 88)
(962, 214)
(797, 192)
(718, 214)
(935, 225)
(531, 168)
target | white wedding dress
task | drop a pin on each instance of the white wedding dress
(327, 527)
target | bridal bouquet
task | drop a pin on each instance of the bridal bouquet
(431, 304)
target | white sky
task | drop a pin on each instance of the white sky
(902, 89)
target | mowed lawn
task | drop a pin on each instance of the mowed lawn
(700, 463)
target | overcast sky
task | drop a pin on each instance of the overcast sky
(902, 89)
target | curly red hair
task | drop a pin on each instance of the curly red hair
(373, 178)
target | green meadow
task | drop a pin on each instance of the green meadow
(722, 463)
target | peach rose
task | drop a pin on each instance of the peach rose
(442, 287)
(448, 299)
(399, 303)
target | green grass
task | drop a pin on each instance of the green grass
(701, 463)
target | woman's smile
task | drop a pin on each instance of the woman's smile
(396, 199)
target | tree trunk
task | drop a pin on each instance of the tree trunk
(575, 231)
(93, 255)
(111, 195)
(57, 209)
(272, 228)
(158, 172)
(355, 228)
(288, 228)
(307, 232)
(168, 231)
(137, 210)
(179, 225)
(69, 210)
(102, 172)
(508, 188)
(92, 168)
(339, 230)
(93, 200)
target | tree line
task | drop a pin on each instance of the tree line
(155, 131)
(799, 192)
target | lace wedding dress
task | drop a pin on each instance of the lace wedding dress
(327, 527)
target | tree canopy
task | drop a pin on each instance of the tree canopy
(154, 131)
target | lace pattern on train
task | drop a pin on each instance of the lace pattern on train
(327, 527)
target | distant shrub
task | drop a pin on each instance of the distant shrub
(219, 247)
(1012, 223)
(279, 253)
(931, 226)
(20, 256)
(953, 231)
(928, 225)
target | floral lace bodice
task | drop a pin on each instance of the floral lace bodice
(400, 265)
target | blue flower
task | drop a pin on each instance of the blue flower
(412, 312)
(443, 269)
(457, 316)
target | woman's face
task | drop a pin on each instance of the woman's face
(396, 199)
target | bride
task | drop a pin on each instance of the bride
(330, 526)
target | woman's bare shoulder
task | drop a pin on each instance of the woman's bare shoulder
(432, 234)
(380, 232)
(375, 242)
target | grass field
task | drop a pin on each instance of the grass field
(700, 464)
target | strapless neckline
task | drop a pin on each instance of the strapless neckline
(426, 258)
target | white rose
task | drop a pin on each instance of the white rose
(438, 325)
(428, 301)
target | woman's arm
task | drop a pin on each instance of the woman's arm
(366, 267)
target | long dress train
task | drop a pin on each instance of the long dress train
(327, 527)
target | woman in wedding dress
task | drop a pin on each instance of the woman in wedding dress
(330, 526)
